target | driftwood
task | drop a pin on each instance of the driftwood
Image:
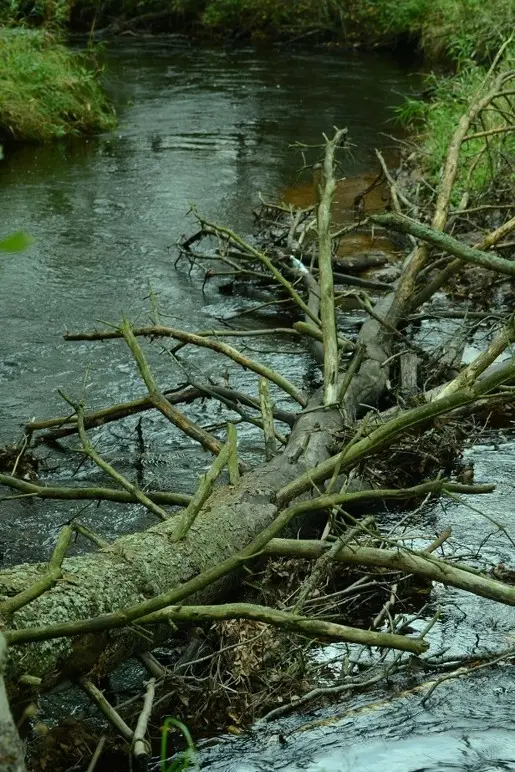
(449, 244)
(64, 618)
(411, 562)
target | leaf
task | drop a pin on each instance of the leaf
(16, 242)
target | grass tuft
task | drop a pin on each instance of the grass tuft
(46, 90)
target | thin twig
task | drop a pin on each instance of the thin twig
(141, 747)
(106, 708)
(204, 490)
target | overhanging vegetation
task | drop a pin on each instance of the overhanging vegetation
(46, 90)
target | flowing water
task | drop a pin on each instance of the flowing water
(202, 126)
(211, 127)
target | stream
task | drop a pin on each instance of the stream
(203, 126)
(212, 127)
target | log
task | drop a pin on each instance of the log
(360, 263)
(144, 565)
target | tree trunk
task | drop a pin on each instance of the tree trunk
(144, 565)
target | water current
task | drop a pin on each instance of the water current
(212, 127)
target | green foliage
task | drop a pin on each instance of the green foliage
(15, 242)
(380, 18)
(447, 29)
(483, 164)
(466, 29)
(454, 29)
(267, 15)
(412, 112)
(46, 91)
(188, 758)
(50, 11)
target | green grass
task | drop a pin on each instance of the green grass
(445, 29)
(271, 16)
(185, 760)
(47, 91)
(484, 166)
(466, 29)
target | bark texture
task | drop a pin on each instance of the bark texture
(144, 565)
(11, 748)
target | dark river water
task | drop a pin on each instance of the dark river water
(198, 126)
(212, 128)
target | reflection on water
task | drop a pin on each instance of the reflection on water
(196, 125)
(212, 127)
(466, 725)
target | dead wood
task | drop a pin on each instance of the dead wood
(67, 425)
(285, 620)
(93, 616)
(156, 331)
(404, 560)
(11, 748)
(449, 244)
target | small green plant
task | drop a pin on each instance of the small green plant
(411, 112)
(15, 242)
(188, 758)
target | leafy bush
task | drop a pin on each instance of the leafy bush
(47, 91)
(271, 15)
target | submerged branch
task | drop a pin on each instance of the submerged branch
(210, 227)
(67, 425)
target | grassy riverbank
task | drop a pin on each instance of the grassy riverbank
(46, 90)
(487, 157)
(443, 29)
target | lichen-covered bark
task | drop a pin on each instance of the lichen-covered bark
(143, 565)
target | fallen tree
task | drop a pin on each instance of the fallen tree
(75, 615)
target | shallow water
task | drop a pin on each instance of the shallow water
(466, 723)
(197, 125)
(212, 127)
